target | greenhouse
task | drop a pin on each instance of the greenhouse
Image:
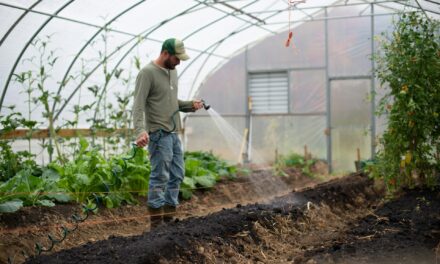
(312, 133)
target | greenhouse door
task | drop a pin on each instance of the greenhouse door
(350, 122)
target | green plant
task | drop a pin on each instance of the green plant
(45, 63)
(89, 176)
(12, 162)
(27, 81)
(203, 169)
(293, 160)
(27, 189)
(409, 63)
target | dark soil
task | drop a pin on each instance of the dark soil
(341, 221)
(403, 230)
(254, 219)
(20, 231)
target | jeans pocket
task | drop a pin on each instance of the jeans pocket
(155, 136)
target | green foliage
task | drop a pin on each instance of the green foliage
(203, 169)
(84, 179)
(294, 160)
(409, 64)
(112, 180)
(26, 189)
(89, 178)
(12, 162)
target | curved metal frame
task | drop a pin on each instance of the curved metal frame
(192, 33)
(186, 37)
(208, 50)
(217, 45)
(63, 81)
(111, 54)
(18, 21)
(254, 24)
(25, 48)
(212, 23)
(132, 47)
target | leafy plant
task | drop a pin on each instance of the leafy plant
(26, 189)
(293, 160)
(12, 162)
(90, 176)
(409, 63)
(203, 169)
(46, 61)
(27, 81)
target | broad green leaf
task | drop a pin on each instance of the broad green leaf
(190, 182)
(50, 174)
(191, 166)
(186, 194)
(205, 181)
(11, 206)
(47, 203)
(59, 197)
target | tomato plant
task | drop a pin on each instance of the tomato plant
(409, 65)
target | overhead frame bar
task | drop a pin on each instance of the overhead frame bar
(18, 21)
(24, 49)
(90, 24)
(64, 80)
(99, 64)
(127, 53)
(215, 46)
(255, 24)
(211, 4)
(400, 2)
(240, 11)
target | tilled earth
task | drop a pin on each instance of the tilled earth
(20, 231)
(346, 220)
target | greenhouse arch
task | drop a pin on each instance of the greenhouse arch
(219, 131)
(95, 51)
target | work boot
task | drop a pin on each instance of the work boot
(169, 212)
(156, 217)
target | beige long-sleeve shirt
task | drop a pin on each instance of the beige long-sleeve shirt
(155, 100)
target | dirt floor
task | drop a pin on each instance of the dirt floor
(20, 231)
(256, 219)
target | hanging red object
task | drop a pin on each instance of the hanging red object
(291, 3)
(289, 38)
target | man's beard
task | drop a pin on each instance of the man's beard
(169, 65)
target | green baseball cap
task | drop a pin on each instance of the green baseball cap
(175, 47)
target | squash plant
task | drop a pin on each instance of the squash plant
(409, 64)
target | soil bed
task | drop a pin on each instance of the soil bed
(20, 231)
(345, 220)
(341, 221)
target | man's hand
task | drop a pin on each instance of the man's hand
(142, 140)
(197, 104)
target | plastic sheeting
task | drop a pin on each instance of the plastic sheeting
(225, 39)
(86, 52)
(337, 96)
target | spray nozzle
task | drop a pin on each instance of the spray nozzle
(205, 105)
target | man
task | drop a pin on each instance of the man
(157, 123)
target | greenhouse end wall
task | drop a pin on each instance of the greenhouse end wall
(318, 93)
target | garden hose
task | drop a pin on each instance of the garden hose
(78, 219)
(75, 217)
(205, 105)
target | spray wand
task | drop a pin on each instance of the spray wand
(205, 105)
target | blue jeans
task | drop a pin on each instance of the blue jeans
(167, 169)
